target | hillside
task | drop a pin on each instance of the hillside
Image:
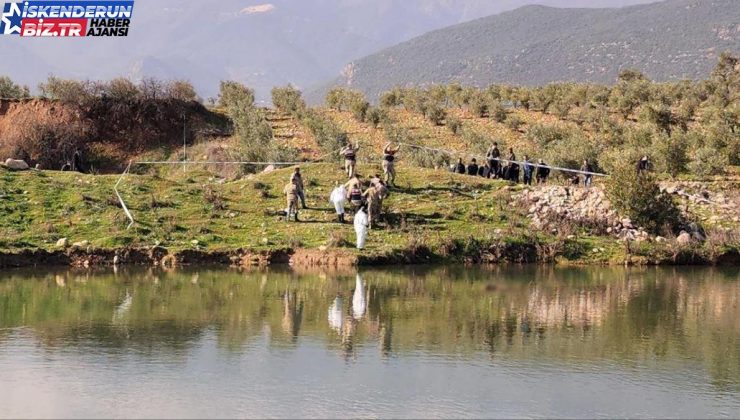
(535, 45)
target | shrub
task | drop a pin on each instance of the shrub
(639, 198)
(514, 122)
(707, 161)
(375, 116)
(359, 108)
(455, 125)
(670, 153)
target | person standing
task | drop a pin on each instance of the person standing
(372, 198)
(587, 177)
(297, 178)
(528, 169)
(473, 167)
(460, 167)
(360, 223)
(511, 173)
(338, 197)
(543, 171)
(291, 197)
(350, 157)
(493, 155)
(389, 169)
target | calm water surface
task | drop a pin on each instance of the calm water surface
(419, 342)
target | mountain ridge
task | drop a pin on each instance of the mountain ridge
(670, 40)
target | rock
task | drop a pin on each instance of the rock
(16, 165)
(81, 244)
(269, 168)
(609, 230)
(323, 248)
(671, 190)
(194, 242)
(595, 250)
(683, 239)
(627, 223)
(63, 243)
(660, 239)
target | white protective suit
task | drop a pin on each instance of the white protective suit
(359, 304)
(361, 228)
(338, 197)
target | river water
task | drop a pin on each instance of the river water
(418, 342)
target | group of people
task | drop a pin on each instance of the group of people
(507, 169)
(365, 198)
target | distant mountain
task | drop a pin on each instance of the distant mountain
(262, 43)
(533, 45)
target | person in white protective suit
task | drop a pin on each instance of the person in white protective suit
(361, 222)
(338, 197)
(359, 303)
(336, 317)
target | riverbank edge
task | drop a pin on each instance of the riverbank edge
(502, 252)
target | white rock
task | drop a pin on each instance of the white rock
(269, 168)
(683, 239)
(16, 165)
(63, 243)
(81, 244)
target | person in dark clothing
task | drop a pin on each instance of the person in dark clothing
(643, 164)
(77, 163)
(542, 172)
(587, 178)
(473, 168)
(485, 170)
(493, 156)
(528, 171)
(460, 167)
(511, 171)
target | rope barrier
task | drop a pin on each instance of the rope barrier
(211, 162)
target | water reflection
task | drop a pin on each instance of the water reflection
(568, 316)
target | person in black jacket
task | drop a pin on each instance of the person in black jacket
(543, 171)
(473, 168)
(493, 156)
(460, 167)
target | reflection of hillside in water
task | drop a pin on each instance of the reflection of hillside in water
(520, 312)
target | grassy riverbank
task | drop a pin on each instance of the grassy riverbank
(433, 216)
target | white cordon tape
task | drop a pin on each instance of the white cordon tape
(169, 162)
(536, 165)
(120, 199)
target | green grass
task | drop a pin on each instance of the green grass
(447, 214)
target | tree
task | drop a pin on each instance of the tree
(478, 105)
(498, 112)
(121, 89)
(10, 90)
(234, 96)
(436, 114)
(391, 98)
(638, 197)
(335, 98)
(181, 90)
(152, 89)
(726, 79)
(64, 90)
(288, 99)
